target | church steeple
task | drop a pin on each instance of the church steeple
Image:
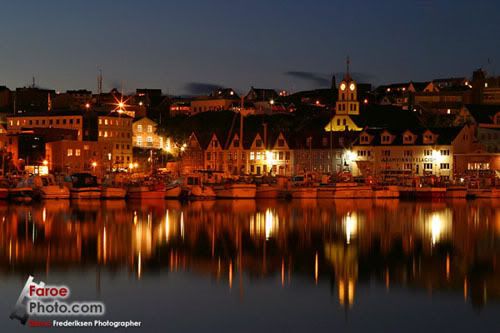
(347, 76)
(347, 102)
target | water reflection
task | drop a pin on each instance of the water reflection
(450, 246)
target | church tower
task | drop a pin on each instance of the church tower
(347, 102)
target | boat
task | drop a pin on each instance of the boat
(236, 191)
(4, 190)
(422, 192)
(22, 191)
(194, 188)
(456, 191)
(113, 192)
(385, 192)
(345, 190)
(146, 191)
(46, 187)
(268, 191)
(110, 190)
(301, 189)
(303, 192)
(481, 193)
(84, 186)
(430, 192)
(173, 191)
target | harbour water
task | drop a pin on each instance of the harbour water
(246, 265)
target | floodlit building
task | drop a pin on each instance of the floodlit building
(395, 153)
(145, 134)
(54, 119)
(116, 128)
(70, 156)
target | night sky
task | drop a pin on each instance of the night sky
(185, 47)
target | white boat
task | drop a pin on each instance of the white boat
(145, 192)
(46, 187)
(84, 186)
(235, 191)
(173, 191)
(456, 192)
(195, 189)
(480, 193)
(4, 193)
(303, 192)
(385, 192)
(268, 191)
(113, 192)
(22, 191)
(348, 190)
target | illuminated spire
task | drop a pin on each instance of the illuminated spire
(347, 76)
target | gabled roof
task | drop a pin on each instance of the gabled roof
(445, 136)
(145, 119)
(261, 94)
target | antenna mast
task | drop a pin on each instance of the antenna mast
(99, 87)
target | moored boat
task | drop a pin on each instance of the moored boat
(457, 192)
(345, 190)
(303, 192)
(113, 192)
(22, 191)
(268, 191)
(194, 188)
(236, 191)
(145, 192)
(21, 194)
(4, 190)
(385, 192)
(84, 186)
(46, 187)
(173, 191)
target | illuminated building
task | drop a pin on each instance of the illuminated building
(263, 100)
(144, 134)
(71, 156)
(72, 120)
(403, 153)
(221, 99)
(347, 105)
(116, 128)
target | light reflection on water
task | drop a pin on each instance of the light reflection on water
(351, 250)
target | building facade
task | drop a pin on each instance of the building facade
(144, 134)
(59, 120)
(70, 156)
(391, 154)
(116, 129)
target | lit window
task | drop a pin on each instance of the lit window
(139, 140)
(139, 128)
(77, 152)
(150, 128)
(252, 155)
(70, 152)
(85, 147)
